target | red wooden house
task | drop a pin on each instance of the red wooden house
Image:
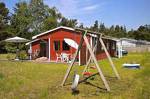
(49, 43)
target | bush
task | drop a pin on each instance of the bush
(10, 56)
(23, 55)
(10, 47)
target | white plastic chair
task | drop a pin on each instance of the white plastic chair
(65, 57)
(59, 56)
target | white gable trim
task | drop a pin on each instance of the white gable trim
(61, 27)
(32, 41)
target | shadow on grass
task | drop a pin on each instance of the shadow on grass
(103, 90)
(1, 76)
(111, 79)
(75, 92)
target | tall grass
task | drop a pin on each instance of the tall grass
(8, 56)
(25, 80)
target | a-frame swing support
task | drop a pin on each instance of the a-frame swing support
(88, 62)
(84, 38)
(108, 56)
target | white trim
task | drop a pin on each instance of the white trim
(121, 51)
(110, 38)
(104, 37)
(30, 52)
(93, 35)
(79, 58)
(32, 41)
(49, 49)
(63, 27)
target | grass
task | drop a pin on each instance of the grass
(7, 56)
(29, 80)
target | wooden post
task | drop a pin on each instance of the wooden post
(95, 61)
(72, 63)
(109, 58)
(88, 62)
(86, 55)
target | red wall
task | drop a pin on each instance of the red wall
(102, 55)
(60, 34)
(35, 46)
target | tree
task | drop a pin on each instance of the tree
(110, 31)
(38, 12)
(21, 20)
(142, 33)
(68, 22)
(95, 27)
(3, 14)
(34, 18)
(112, 28)
(117, 28)
(4, 27)
(102, 28)
(81, 26)
(52, 20)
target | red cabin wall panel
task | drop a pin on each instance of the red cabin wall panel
(60, 34)
(103, 55)
(35, 46)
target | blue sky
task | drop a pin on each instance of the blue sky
(130, 13)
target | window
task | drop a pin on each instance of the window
(98, 47)
(56, 45)
(65, 46)
(113, 45)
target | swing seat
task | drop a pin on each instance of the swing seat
(86, 74)
(92, 67)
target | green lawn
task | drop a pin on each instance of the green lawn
(29, 80)
(7, 56)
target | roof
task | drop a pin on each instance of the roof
(111, 38)
(67, 28)
(128, 39)
(136, 41)
(88, 31)
(61, 27)
(91, 33)
(32, 41)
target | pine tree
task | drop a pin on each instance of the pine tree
(102, 28)
(81, 26)
(4, 27)
(68, 22)
(21, 20)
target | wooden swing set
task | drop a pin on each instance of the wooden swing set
(92, 57)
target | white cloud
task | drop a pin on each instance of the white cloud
(69, 7)
(78, 9)
(91, 7)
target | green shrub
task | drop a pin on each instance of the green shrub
(10, 47)
(22, 55)
(10, 56)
